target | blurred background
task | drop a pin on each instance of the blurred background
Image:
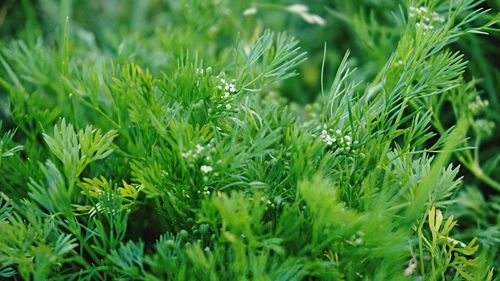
(154, 33)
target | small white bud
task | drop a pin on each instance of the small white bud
(298, 8)
(250, 11)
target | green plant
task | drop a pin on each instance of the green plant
(152, 155)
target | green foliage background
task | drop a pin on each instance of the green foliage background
(123, 158)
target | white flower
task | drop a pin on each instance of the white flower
(206, 169)
(302, 10)
(344, 141)
(329, 140)
(199, 148)
(314, 19)
(228, 106)
(298, 8)
(226, 87)
(250, 11)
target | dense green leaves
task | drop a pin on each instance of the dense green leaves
(171, 154)
(77, 150)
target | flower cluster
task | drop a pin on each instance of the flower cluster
(340, 142)
(478, 105)
(199, 160)
(226, 90)
(336, 138)
(483, 127)
(206, 169)
(194, 154)
(206, 190)
(227, 87)
(425, 18)
(199, 154)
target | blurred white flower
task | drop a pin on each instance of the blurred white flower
(206, 169)
(298, 8)
(186, 154)
(303, 11)
(250, 11)
(478, 105)
(425, 18)
(313, 19)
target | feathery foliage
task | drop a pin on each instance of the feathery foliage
(171, 140)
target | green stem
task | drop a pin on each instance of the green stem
(477, 171)
(420, 247)
(471, 164)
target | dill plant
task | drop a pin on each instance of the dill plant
(126, 162)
